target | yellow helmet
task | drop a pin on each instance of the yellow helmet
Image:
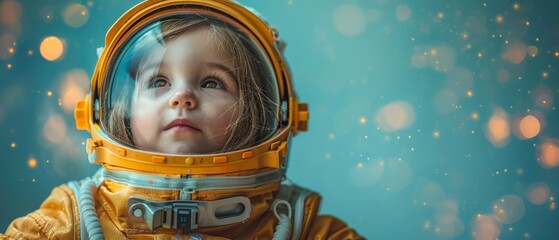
(143, 39)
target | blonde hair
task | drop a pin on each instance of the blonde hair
(257, 117)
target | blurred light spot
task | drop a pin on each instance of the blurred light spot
(503, 76)
(509, 209)
(6, 46)
(349, 20)
(556, 54)
(528, 24)
(549, 153)
(436, 134)
(366, 174)
(13, 145)
(465, 35)
(441, 58)
(498, 128)
(430, 194)
(374, 15)
(545, 74)
(54, 129)
(30, 52)
(10, 12)
(51, 48)
(543, 96)
(47, 14)
(32, 163)
(440, 15)
(9, 65)
(362, 120)
(499, 19)
(479, 55)
(486, 227)
(515, 52)
(74, 88)
(49, 93)
(538, 193)
(75, 15)
(475, 116)
(516, 6)
(395, 115)
(447, 219)
(397, 175)
(403, 13)
(532, 51)
(529, 127)
(445, 101)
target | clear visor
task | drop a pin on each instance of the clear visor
(190, 84)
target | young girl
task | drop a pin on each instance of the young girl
(191, 110)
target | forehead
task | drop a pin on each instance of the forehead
(201, 43)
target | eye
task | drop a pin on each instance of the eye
(158, 82)
(213, 83)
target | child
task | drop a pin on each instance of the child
(191, 109)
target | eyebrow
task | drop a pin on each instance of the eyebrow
(223, 68)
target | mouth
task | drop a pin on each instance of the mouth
(182, 125)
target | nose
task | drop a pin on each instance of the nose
(183, 98)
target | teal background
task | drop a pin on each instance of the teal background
(362, 66)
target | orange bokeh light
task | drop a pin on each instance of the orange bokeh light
(51, 48)
(32, 163)
(529, 127)
(549, 154)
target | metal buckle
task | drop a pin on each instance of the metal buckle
(187, 215)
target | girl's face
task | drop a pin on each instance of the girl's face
(185, 97)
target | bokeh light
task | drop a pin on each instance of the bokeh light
(509, 209)
(51, 48)
(486, 227)
(515, 52)
(350, 20)
(395, 115)
(549, 153)
(497, 129)
(532, 51)
(74, 88)
(448, 223)
(7, 42)
(403, 13)
(397, 176)
(503, 76)
(538, 193)
(10, 12)
(366, 174)
(75, 15)
(430, 194)
(529, 127)
(32, 163)
(54, 129)
(543, 96)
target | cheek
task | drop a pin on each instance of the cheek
(143, 118)
(223, 116)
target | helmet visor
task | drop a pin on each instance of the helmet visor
(190, 84)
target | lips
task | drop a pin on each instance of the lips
(182, 124)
